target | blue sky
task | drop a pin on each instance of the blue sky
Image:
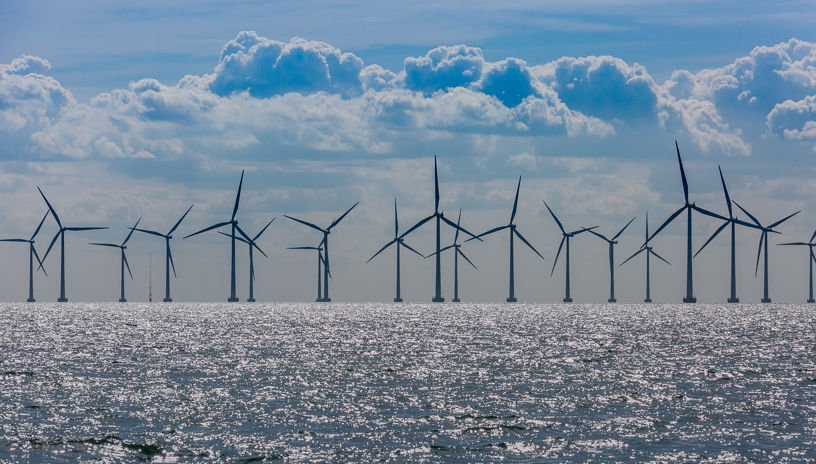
(121, 111)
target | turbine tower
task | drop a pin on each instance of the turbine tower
(733, 221)
(649, 251)
(440, 217)
(124, 261)
(234, 223)
(687, 207)
(319, 263)
(456, 246)
(400, 242)
(168, 256)
(325, 245)
(32, 253)
(811, 258)
(61, 235)
(252, 244)
(565, 236)
(763, 240)
(513, 231)
(612, 242)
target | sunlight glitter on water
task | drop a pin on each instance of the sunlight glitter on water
(363, 382)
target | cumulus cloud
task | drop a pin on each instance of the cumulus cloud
(27, 95)
(795, 120)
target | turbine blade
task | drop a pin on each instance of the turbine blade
(436, 188)
(151, 232)
(556, 219)
(220, 224)
(793, 243)
(812, 236)
(303, 248)
(647, 226)
(179, 221)
(682, 172)
(337, 221)
(633, 255)
(515, 202)
(748, 214)
(462, 254)
(624, 228)
(51, 208)
(76, 229)
(417, 225)
(783, 220)
(716, 232)
(440, 251)
(583, 229)
(484, 234)
(667, 222)
(396, 221)
(309, 224)
(746, 224)
(659, 257)
(450, 223)
(112, 245)
(258, 235)
(378, 251)
(237, 237)
(458, 221)
(410, 248)
(39, 260)
(759, 252)
(37, 231)
(599, 235)
(708, 213)
(124, 257)
(563, 237)
(53, 240)
(811, 254)
(518, 234)
(15, 240)
(131, 232)
(243, 234)
(237, 197)
(172, 264)
(725, 191)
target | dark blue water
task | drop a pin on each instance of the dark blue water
(407, 383)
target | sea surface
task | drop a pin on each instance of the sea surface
(407, 383)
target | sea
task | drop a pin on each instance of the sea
(192, 382)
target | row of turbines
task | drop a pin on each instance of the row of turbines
(236, 233)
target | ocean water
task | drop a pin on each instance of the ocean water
(407, 383)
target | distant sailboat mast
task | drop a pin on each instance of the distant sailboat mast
(150, 278)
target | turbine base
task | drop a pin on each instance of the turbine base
(647, 300)
(765, 300)
(733, 300)
(809, 301)
(232, 299)
(567, 300)
(512, 299)
(31, 300)
(612, 300)
(167, 300)
(455, 300)
(250, 300)
(62, 300)
(690, 299)
(323, 300)
(397, 300)
(437, 299)
(122, 300)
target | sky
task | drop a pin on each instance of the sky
(120, 111)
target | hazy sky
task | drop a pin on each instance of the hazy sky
(120, 111)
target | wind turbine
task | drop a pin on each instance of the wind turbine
(733, 221)
(252, 244)
(440, 217)
(32, 253)
(457, 247)
(400, 242)
(565, 236)
(649, 251)
(124, 261)
(61, 235)
(320, 262)
(511, 226)
(612, 242)
(811, 258)
(763, 239)
(234, 223)
(168, 257)
(688, 207)
(325, 244)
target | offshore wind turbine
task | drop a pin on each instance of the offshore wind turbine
(811, 258)
(32, 253)
(400, 242)
(763, 240)
(320, 262)
(612, 242)
(124, 261)
(61, 235)
(440, 217)
(733, 221)
(234, 225)
(649, 251)
(687, 207)
(252, 244)
(565, 236)
(325, 244)
(513, 231)
(168, 256)
(457, 251)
